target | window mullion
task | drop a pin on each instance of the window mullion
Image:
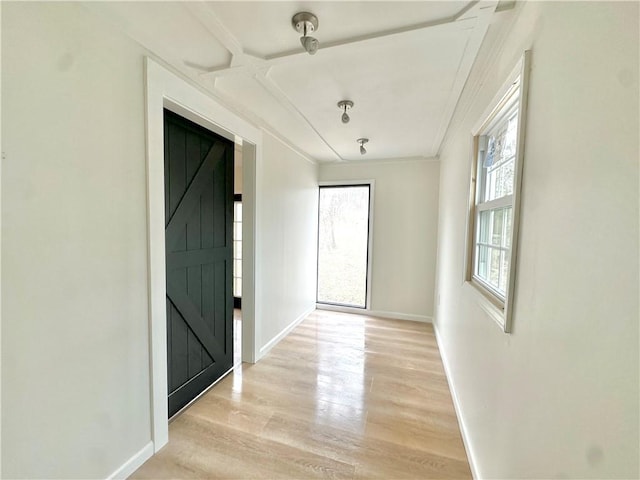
(501, 202)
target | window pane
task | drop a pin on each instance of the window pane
(496, 230)
(511, 137)
(483, 226)
(498, 167)
(237, 231)
(343, 230)
(492, 254)
(494, 227)
(494, 268)
(499, 181)
(237, 287)
(482, 263)
(507, 228)
(237, 211)
(504, 272)
(237, 250)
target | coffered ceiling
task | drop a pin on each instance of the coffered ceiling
(403, 64)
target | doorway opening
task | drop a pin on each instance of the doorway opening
(344, 242)
(165, 90)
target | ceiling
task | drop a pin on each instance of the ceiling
(403, 64)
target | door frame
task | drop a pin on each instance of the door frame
(165, 89)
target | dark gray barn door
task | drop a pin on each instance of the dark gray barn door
(198, 172)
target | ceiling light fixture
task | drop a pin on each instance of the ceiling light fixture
(362, 141)
(305, 23)
(345, 105)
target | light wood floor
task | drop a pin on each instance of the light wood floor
(343, 396)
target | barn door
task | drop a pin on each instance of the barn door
(198, 172)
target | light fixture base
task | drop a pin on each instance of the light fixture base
(304, 19)
(345, 104)
(362, 141)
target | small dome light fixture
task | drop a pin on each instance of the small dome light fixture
(345, 105)
(362, 141)
(305, 23)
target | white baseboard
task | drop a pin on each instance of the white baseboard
(274, 341)
(466, 440)
(399, 316)
(375, 313)
(133, 463)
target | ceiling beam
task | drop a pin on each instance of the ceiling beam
(272, 88)
(474, 18)
(466, 18)
(241, 61)
(245, 63)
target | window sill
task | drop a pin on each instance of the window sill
(495, 312)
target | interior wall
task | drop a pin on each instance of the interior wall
(75, 331)
(288, 227)
(557, 398)
(404, 232)
(75, 357)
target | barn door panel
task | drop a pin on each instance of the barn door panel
(199, 246)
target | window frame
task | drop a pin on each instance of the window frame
(502, 105)
(340, 306)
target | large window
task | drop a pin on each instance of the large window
(495, 196)
(343, 245)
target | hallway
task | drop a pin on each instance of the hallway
(342, 396)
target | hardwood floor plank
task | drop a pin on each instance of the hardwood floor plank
(342, 396)
(225, 452)
(224, 411)
(369, 454)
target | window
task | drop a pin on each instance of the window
(343, 245)
(496, 175)
(237, 250)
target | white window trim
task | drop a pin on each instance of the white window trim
(501, 312)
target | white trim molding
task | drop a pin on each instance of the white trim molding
(165, 89)
(400, 316)
(375, 313)
(2, 154)
(133, 463)
(284, 332)
(466, 439)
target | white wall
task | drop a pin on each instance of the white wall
(75, 360)
(559, 396)
(237, 169)
(288, 228)
(404, 232)
(75, 331)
